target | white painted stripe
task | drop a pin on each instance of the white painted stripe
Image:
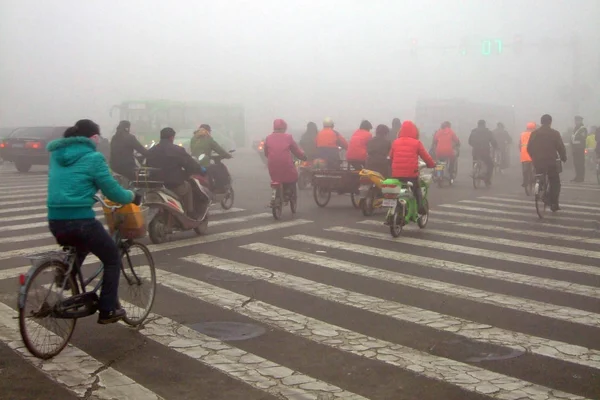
(237, 220)
(73, 368)
(582, 188)
(38, 215)
(468, 377)
(508, 242)
(590, 214)
(26, 238)
(468, 269)
(215, 237)
(532, 214)
(562, 205)
(537, 234)
(547, 310)
(576, 202)
(12, 273)
(483, 333)
(220, 211)
(33, 225)
(486, 218)
(21, 209)
(28, 200)
(25, 188)
(253, 370)
(498, 255)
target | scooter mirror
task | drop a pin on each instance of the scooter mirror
(201, 157)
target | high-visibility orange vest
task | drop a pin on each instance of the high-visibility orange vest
(327, 138)
(524, 140)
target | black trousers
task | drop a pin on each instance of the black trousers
(553, 180)
(579, 163)
(527, 171)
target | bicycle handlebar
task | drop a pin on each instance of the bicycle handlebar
(111, 208)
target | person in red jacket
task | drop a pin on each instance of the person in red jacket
(404, 155)
(444, 146)
(357, 148)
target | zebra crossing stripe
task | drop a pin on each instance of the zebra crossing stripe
(468, 377)
(576, 202)
(27, 199)
(73, 368)
(487, 218)
(553, 311)
(562, 205)
(248, 368)
(531, 214)
(501, 205)
(497, 255)
(508, 242)
(26, 188)
(472, 330)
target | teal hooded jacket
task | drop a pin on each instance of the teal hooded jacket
(76, 173)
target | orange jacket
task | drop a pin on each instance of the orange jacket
(357, 148)
(330, 138)
(525, 157)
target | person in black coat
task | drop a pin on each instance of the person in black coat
(378, 150)
(122, 146)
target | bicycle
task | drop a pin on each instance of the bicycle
(542, 193)
(60, 266)
(529, 178)
(479, 173)
(282, 196)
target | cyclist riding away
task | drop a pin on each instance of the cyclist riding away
(308, 141)
(444, 146)
(176, 166)
(482, 141)
(405, 153)
(378, 151)
(503, 140)
(122, 146)
(328, 143)
(76, 172)
(525, 157)
(279, 148)
(544, 145)
(357, 148)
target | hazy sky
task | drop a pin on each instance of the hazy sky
(63, 60)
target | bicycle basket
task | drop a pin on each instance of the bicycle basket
(130, 220)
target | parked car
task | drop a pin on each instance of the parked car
(26, 146)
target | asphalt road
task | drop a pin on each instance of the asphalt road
(488, 301)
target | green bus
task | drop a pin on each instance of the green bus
(148, 117)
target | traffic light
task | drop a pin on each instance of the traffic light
(518, 44)
(413, 46)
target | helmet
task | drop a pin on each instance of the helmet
(279, 125)
(530, 126)
(328, 122)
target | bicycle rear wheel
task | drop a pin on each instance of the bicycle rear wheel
(137, 285)
(540, 196)
(36, 313)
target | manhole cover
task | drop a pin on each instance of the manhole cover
(229, 331)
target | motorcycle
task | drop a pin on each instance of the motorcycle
(370, 195)
(282, 196)
(402, 205)
(224, 194)
(304, 174)
(442, 174)
(166, 214)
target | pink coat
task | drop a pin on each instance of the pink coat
(279, 148)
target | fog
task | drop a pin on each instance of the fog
(298, 60)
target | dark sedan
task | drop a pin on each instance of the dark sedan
(26, 146)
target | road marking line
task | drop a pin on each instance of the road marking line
(39, 197)
(215, 237)
(532, 214)
(597, 209)
(498, 255)
(245, 367)
(577, 202)
(483, 333)
(547, 310)
(508, 242)
(26, 188)
(502, 205)
(583, 188)
(73, 368)
(246, 218)
(467, 377)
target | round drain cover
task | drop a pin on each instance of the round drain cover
(228, 331)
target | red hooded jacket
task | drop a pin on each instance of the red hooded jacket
(279, 148)
(406, 151)
(445, 140)
(357, 148)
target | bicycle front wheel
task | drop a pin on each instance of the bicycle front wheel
(137, 284)
(43, 332)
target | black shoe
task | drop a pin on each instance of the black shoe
(554, 208)
(111, 317)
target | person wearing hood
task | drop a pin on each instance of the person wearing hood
(308, 141)
(204, 143)
(328, 142)
(503, 140)
(279, 149)
(444, 145)
(357, 148)
(76, 173)
(404, 155)
(378, 150)
(122, 146)
(482, 141)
